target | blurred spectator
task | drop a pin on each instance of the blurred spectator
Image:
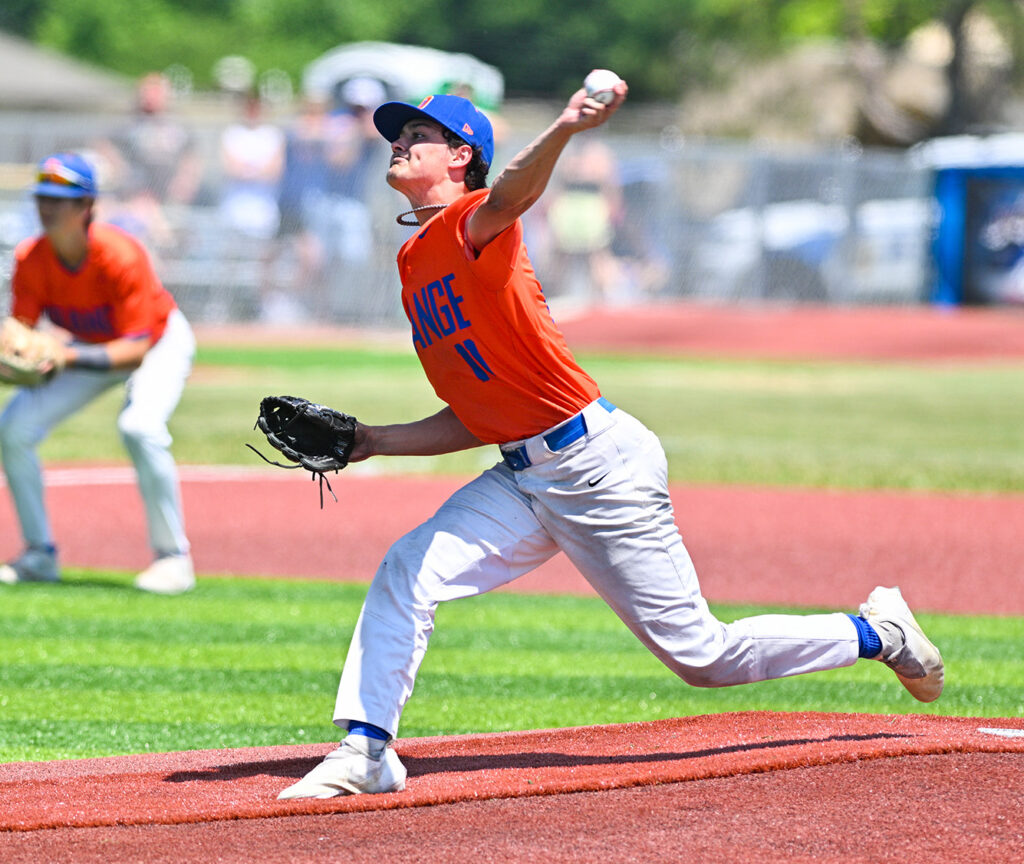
(326, 227)
(157, 153)
(303, 185)
(351, 132)
(305, 165)
(341, 217)
(640, 242)
(153, 162)
(252, 159)
(584, 210)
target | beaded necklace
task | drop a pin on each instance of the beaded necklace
(401, 220)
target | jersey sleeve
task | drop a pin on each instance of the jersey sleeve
(26, 288)
(495, 263)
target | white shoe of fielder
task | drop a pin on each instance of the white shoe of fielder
(172, 574)
(905, 648)
(360, 765)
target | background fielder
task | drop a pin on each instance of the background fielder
(577, 474)
(97, 283)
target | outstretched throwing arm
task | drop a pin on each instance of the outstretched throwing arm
(526, 177)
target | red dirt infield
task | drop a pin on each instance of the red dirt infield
(776, 546)
(914, 333)
(910, 333)
(752, 786)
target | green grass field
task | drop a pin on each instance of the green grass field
(91, 667)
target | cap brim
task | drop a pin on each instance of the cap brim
(55, 190)
(390, 117)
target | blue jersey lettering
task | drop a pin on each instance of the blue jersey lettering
(424, 317)
(471, 354)
(435, 309)
(455, 300)
(443, 312)
(93, 322)
(417, 337)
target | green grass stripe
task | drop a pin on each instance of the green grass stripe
(164, 679)
(228, 706)
(102, 653)
(305, 357)
(93, 668)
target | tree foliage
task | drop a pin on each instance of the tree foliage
(542, 46)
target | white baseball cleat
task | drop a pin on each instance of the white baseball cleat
(359, 766)
(905, 648)
(32, 565)
(172, 574)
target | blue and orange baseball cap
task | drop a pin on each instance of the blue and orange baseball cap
(456, 114)
(65, 175)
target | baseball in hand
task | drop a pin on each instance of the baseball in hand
(600, 85)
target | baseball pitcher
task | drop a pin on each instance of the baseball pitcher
(577, 473)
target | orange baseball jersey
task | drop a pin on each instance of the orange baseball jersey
(115, 293)
(483, 331)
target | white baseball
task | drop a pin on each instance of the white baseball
(600, 85)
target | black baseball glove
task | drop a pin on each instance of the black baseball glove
(313, 436)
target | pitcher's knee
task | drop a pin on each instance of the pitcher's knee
(729, 667)
(405, 581)
(392, 584)
(704, 676)
(702, 651)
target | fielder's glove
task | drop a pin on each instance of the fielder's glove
(313, 436)
(28, 357)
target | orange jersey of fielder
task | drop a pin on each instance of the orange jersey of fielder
(483, 331)
(115, 293)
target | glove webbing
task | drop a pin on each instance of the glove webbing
(314, 474)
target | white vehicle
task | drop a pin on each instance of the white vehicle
(408, 72)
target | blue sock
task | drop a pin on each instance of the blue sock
(368, 729)
(869, 645)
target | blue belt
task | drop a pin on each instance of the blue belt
(561, 436)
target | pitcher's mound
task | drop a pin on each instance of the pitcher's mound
(211, 785)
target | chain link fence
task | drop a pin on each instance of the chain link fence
(627, 219)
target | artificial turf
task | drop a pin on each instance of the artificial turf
(92, 667)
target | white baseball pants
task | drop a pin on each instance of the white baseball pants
(152, 393)
(604, 501)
